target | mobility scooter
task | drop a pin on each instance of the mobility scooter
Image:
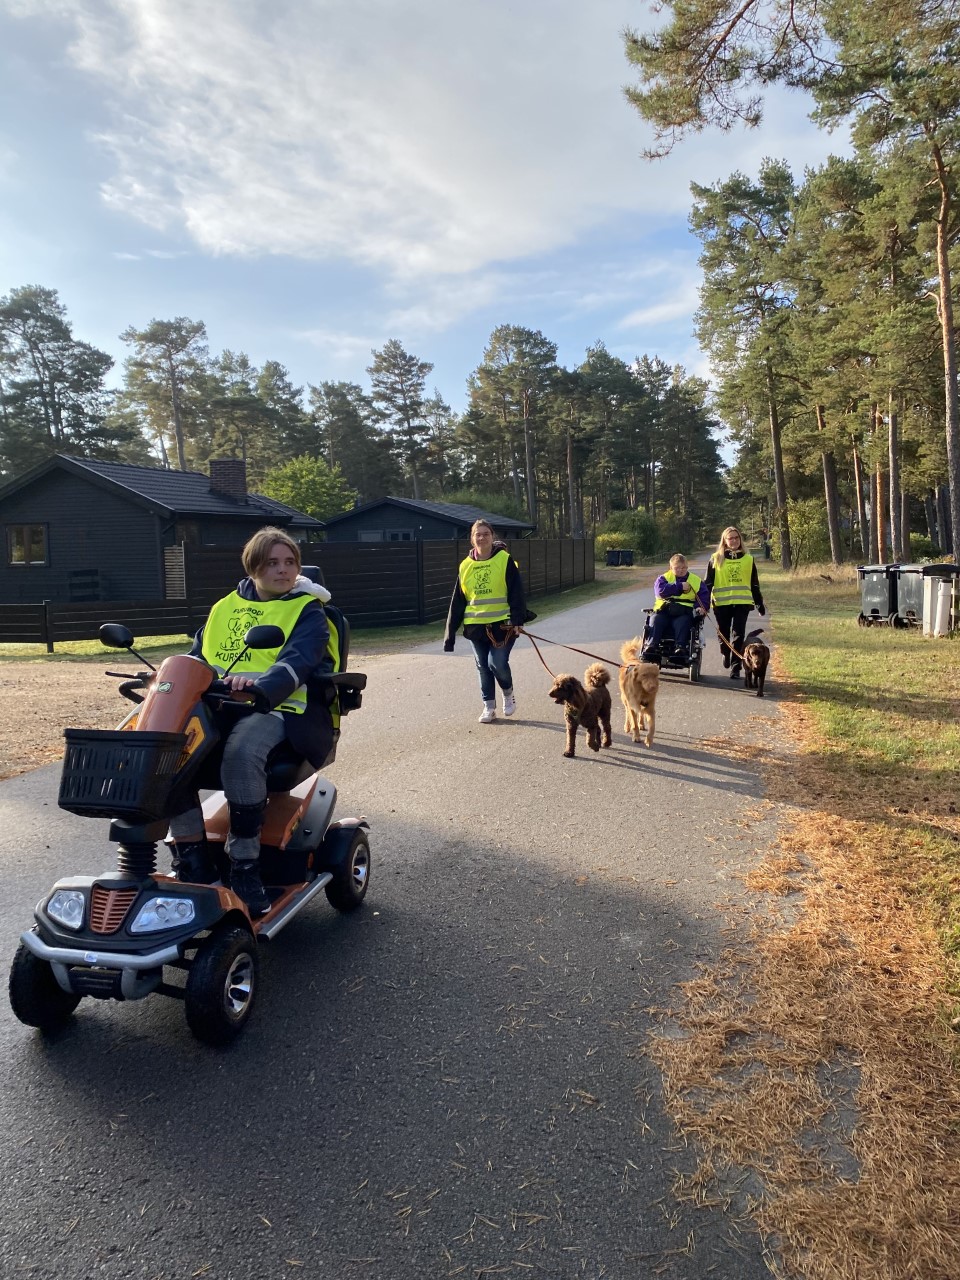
(686, 660)
(112, 936)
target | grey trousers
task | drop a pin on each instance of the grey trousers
(244, 778)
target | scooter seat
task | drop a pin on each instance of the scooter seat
(286, 768)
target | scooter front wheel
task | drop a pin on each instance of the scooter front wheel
(221, 986)
(36, 997)
(351, 876)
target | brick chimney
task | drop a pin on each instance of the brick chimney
(229, 477)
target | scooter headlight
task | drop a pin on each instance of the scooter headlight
(66, 907)
(163, 913)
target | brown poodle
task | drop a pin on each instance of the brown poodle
(586, 705)
(756, 659)
(639, 682)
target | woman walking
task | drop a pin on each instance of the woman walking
(490, 602)
(735, 590)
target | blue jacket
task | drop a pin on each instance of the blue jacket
(304, 654)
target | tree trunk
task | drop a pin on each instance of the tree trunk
(930, 511)
(531, 472)
(831, 494)
(861, 504)
(517, 492)
(177, 415)
(880, 513)
(944, 528)
(949, 346)
(896, 500)
(783, 520)
(905, 523)
(576, 522)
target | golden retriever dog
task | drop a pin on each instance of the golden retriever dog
(585, 706)
(756, 659)
(639, 682)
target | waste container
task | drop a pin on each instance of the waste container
(908, 606)
(619, 556)
(939, 585)
(878, 594)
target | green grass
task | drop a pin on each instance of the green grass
(885, 709)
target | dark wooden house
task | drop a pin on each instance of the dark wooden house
(410, 520)
(78, 529)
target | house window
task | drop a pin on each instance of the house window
(398, 535)
(370, 535)
(26, 544)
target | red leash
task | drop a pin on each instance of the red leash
(543, 640)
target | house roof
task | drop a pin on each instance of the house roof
(183, 493)
(455, 512)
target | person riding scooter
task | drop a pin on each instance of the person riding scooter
(273, 593)
(678, 596)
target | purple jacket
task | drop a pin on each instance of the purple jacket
(665, 590)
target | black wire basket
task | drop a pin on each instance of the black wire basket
(114, 773)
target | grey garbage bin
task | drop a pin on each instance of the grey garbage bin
(933, 575)
(907, 610)
(878, 594)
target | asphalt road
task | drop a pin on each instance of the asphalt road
(452, 1082)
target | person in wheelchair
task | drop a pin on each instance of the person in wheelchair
(296, 711)
(680, 599)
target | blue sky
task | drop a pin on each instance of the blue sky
(313, 177)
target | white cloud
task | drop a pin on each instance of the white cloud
(678, 305)
(424, 138)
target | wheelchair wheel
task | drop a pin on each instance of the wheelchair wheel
(693, 671)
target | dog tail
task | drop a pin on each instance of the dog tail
(754, 636)
(596, 676)
(630, 650)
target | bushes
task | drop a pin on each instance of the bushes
(635, 529)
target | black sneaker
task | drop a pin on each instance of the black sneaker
(246, 884)
(192, 863)
(734, 673)
(726, 657)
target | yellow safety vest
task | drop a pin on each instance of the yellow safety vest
(731, 581)
(484, 583)
(694, 582)
(229, 621)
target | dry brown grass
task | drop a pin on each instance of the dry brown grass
(821, 1055)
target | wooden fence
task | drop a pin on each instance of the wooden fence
(375, 584)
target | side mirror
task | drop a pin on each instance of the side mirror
(116, 636)
(263, 637)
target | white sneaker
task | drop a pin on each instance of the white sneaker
(509, 703)
(489, 713)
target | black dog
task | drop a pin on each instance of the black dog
(756, 659)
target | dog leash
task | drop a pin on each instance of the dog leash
(544, 640)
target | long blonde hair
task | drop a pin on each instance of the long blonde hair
(721, 551)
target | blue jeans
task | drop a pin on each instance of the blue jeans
(493, 666)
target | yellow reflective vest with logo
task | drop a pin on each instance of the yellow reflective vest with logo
(484, 585)
(229, 621)
(731, 580)
(693, 582)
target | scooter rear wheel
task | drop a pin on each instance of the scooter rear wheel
(36, 997)
(222, 986)
(351, 876)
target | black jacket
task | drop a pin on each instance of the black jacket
(754, 580)
(516, 603)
